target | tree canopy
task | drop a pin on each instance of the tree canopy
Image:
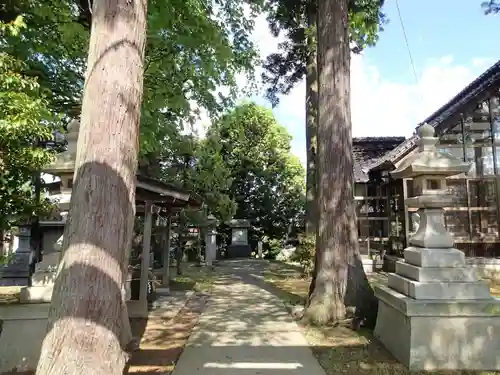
(193, 48)
(285, 68)
(267, 180)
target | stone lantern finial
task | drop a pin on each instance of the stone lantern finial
(427, 141)
(426, 131)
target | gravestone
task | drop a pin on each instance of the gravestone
(239, 247)
(436, 313)
(16, 271)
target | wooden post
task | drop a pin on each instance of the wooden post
(166, 255)
(146, 248)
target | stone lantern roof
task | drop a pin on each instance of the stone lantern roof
(428, 160)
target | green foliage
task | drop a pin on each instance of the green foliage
(272, 248)
(24, 121)
(197, 165)
(267, 181)
(284, 69)
(305, 253)
(193, 48)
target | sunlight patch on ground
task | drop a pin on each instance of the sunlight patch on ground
(254, 365)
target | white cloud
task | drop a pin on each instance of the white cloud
(381, 106)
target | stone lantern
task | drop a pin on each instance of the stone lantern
(435, 313)
(64, 167)
(45, 271)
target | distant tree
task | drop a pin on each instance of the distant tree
(267, 180)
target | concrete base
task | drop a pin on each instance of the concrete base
(21, 336)
(239, 251)
(439, 334)
(23, 328)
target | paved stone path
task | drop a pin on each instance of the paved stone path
(246, 330)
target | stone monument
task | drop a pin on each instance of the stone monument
(45, 271)
(435, 313)
(239, 247)
(210, 240)
(16, 271)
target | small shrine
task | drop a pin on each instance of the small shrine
(436, 313)
(152, 197)
(239, 247)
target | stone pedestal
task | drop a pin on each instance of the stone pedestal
(239, 247)
(435, 313)
(42, 280)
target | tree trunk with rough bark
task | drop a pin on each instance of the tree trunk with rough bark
(86, 325)
(336, 238)
(311, 124)
(339, 280)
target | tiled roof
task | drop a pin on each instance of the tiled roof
(366, 150)
(485, 81)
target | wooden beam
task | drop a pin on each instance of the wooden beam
(163, 191)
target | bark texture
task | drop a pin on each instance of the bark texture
(339, 280)
(336, 239)
(87, 325)
(311, 125)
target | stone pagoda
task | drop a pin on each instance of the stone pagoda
(435, 313)
(63, 167)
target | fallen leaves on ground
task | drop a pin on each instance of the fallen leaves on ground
(163, 340)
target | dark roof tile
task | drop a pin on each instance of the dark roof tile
(367, 150)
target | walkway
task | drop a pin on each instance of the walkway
(246, 330)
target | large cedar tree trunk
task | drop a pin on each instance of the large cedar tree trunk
(339, 279)
(311, 124)
(86, 321)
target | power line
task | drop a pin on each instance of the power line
(407, 43)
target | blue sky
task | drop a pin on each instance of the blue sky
(434, 29)
(451, 41)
